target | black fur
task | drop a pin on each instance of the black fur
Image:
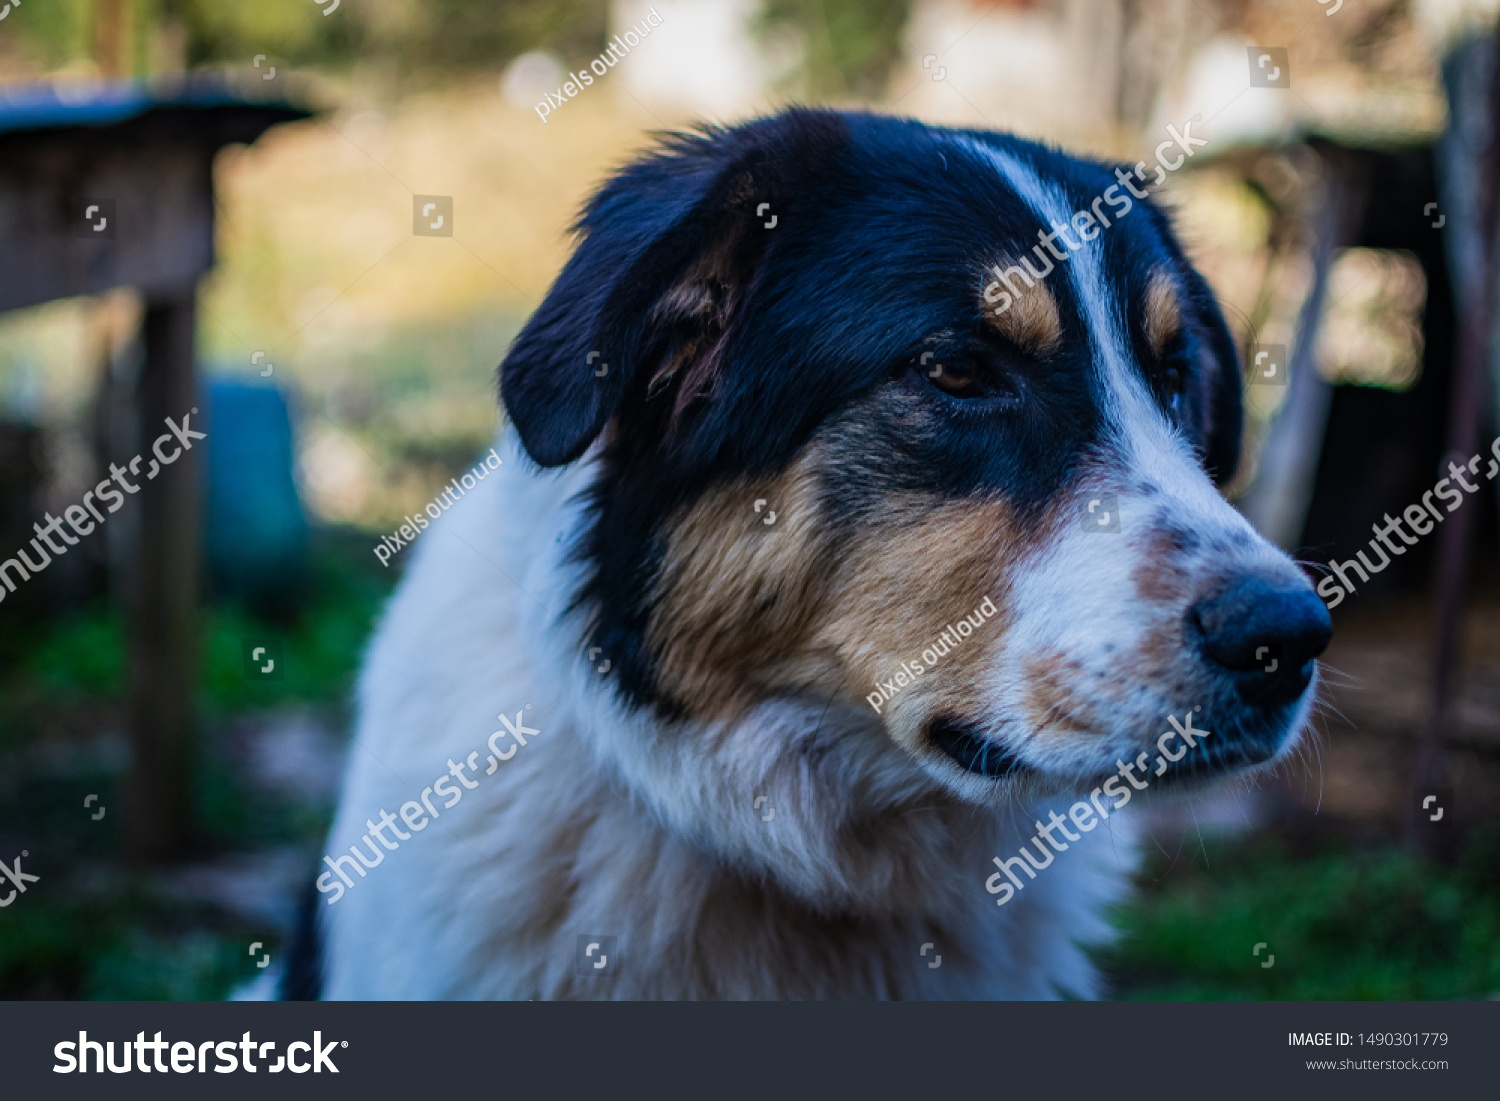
(885, 231)
(302, 979)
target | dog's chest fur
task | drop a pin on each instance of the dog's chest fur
(704, 897)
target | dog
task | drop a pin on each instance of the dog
(807, 394)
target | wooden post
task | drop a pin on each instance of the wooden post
(112, 45)
(1472, 169)
(1277, 501)
(163, 600)
(152, 169)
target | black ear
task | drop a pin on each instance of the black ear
(1225, 390)
(667, 255)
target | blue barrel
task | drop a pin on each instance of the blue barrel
(256, 530)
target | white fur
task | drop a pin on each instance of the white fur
(1079, 598)
(611, 823)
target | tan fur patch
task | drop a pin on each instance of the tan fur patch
(1031, 319)
(736, 596)
(743, 609)
(1053, 703)
(903, 582)
(1163, 317)
(1161, 577)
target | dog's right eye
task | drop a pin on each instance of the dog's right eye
(963, 376)
(956, 380)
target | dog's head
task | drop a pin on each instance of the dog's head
(925, 423)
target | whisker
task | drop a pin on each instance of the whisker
(1201, 846)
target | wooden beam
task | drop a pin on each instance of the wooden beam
(153, 208)
(91, 206)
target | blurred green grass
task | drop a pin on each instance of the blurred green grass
(1342, 922)
(103, 930)
(128, 946)
(81, 656)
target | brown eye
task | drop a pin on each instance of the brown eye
(954, 379)
(963, 374)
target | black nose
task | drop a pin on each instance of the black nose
(1266, 633)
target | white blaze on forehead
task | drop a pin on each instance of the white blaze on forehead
(1085, 271)
(1150, 446)
(1090, 664)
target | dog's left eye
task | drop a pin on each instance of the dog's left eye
(1173, 383)
(1173, 374)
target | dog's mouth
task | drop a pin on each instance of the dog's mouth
(971, 750)
(1238, 740)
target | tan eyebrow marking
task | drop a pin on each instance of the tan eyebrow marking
(1021, 308)
(1163, 315)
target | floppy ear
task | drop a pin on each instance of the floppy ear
(669, 249)
(1225, 391)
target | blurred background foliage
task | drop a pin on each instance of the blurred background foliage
(851, 46)
(387, 348)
